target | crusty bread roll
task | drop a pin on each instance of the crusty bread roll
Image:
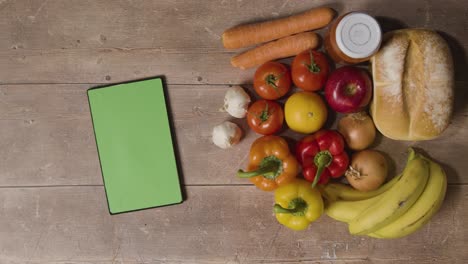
(413, 85)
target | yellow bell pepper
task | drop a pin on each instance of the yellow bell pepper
(297, 204)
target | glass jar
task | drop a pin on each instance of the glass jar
(353, 38)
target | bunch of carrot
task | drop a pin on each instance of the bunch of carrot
(285, 37)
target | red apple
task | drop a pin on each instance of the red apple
(348, 89)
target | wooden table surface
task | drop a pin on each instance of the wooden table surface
(52, 202)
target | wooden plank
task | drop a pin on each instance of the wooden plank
(47, 138)
(224, 224)
(110, 65)
(54, 24)
(54, 41)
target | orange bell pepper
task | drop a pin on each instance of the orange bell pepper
(270, 163)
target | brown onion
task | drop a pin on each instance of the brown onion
(358, 130)
(368, 170)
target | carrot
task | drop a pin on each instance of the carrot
(281, 48)
(250, 34)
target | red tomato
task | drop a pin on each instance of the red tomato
(265, 117)
(272, 80)
(310, 70)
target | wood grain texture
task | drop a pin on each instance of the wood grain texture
(106, 41)
(224, 224)
(84, 24)
(48, 138)
(52, 202)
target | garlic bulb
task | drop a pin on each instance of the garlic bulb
(226, 135)
(236, 102)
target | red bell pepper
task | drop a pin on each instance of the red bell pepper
(322, 156)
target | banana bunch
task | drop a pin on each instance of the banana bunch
(398, 208)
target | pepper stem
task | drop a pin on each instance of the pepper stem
(296, 206)
(321, 160)
(270, 168)
(281, 210)
(266, 171)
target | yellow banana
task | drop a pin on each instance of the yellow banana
(338, 191)
(422, 210)
(346, 211)
(396, 201)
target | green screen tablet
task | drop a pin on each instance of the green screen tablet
(135, 147)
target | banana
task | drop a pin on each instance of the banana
(422, 210)
(338, 191)
(396, 201)
(346, 211)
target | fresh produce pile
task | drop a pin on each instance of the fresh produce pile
(335, 171)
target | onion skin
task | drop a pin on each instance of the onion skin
(358, 130)
(368, 170)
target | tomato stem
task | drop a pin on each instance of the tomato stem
(312, 67)
(271, 80)
(265, 114)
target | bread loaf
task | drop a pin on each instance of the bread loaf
(413, 85)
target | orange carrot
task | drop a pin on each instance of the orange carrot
(281, 48)
(250, 34)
